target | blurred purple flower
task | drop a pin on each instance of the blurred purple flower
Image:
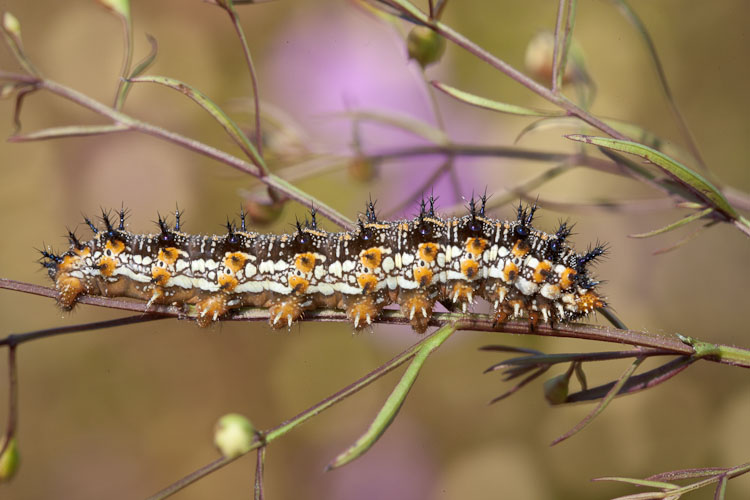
(343, 60)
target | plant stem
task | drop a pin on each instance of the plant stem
(251, 68)
(474, 322)
(10, 429)
(290, 424)
(191, 144)
(463, 42)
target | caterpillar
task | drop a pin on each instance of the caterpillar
(521, 271)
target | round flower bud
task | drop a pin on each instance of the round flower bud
(264, 212)
(11, 25)
(361, 168)
(540, 54)
(556, 389)
(424, 45)
(8, 460)
(234, 435)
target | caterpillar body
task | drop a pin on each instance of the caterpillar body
(521, 271)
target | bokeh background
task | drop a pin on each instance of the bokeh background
(124, 412)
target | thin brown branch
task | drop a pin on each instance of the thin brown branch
(133, 124)
(473, 322)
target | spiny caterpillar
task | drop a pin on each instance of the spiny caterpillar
(521, 271)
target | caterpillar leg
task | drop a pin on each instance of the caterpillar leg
(362, 310)
(211, 308)
(284, 312)
(69, 288)
(461, 295)
(417, 306)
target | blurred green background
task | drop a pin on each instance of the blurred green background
(124, 412)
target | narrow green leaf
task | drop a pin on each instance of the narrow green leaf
(633, 18)
(685, 220)
(139, 68)
(682, 174)
(68, 131)
(218, 114)
(604, 402)
(563, 37)
(639, 482)
(483, 102)
(677, 475)
(637, 132)
(690, 237)
(393, 404)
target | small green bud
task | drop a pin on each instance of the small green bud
(11, 25)
(264, 212)
(9, 460)
(234, 435)
(119, 7)
(7, 90)
(556, 389)
(424, 45)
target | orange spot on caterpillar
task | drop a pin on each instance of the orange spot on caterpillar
(305, 262)
(68, 263)
(371, 257)
(367, 282)
(160, 276)
(107, 266)
(235, 261)
(520, 249)
(428, 251)
(116, 246)
(298, 284)
(469, 268)
(510, 271)
(567, 277)
(542, 271)
(168, 255)
(476, 246)
(228, 282)
(423, 275)
(84, 252)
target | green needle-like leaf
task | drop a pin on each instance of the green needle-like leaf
(483, 102)
(393, 404)
(219, 115)
(139, 68)
(682, 174)
(68, 131)
(686, 220)
(603, 403)
(640, 482)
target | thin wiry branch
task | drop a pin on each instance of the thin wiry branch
(475, 322)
